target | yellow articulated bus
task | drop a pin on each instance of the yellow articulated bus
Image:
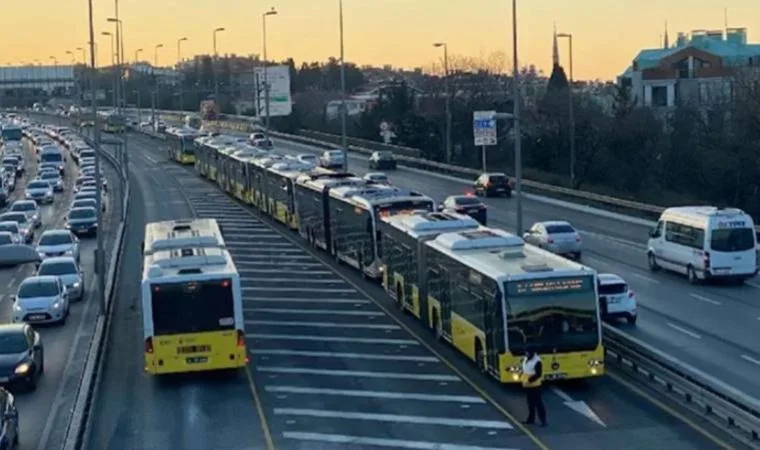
(192, 311)
(177, 234)
(181, 145)
(259, 182)
(280, 188)
(402, 240)
(210, 148)
(236, 163)
(490, 295)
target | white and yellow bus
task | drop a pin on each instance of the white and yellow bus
(192, 311)
(490, 295)
(183, 233)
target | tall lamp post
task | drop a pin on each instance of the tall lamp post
(571, 109)
(216, 75)
(516, 118)
(113, 63)
(156, 86)
(139, 104)
(448, 97)
(55, 74)
(271, 12)
(73, 66)
(119, 56)
(179, 71)
(343, 110)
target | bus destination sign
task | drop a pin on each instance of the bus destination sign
(550, 285)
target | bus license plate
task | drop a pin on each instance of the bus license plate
(194, 349)
(197, 360)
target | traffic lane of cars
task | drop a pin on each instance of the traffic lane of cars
(623, 413)
(132, 409)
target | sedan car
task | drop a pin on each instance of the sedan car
(467, 205)
(8, 420)
(87, 184)
(41, 299)
(22, 357)
(82, 221)
(40, 191)
(67, 269)
(332, 159)
(31, 209)
(493, 184)
(84, 203)
(308, 158)
(616, 299)
(58, 243)
(54, 178)
(48, 166)
(377, 178)
(382, 161)
(25, 226)
(90, 194)
(557, 237)
(7, 238)
(86, 154)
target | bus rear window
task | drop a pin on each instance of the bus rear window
(193, 307)
(732, 239)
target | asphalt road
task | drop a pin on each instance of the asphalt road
(333, 365)
(709, 326)
(44, 413)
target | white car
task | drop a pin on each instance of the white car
(308, 158)
(31, 208)
(25, 226)
(58, 243)
(332, 159)
(616, 299)
(68, 271)
(12, 229)
(377, 178)
(40, 191)
(54, 178)
(556, 236)
(41, 299)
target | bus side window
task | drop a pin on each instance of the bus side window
(434, 283)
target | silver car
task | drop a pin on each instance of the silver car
(31, 209)
(47, 166)
(54, 178)
(13, 229)
(40, 191)
(69, 272)
(41, 300)
(25, 226)
(7, 238)
(557, 237)
(58, 243)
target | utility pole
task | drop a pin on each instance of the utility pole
(264, 16)
(516, 118)
(343, 110)
(179, 72)
(571, 110)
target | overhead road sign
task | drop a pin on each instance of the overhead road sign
(484, 128)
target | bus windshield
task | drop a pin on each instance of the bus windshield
(554, 314)
(192, 307)
(53, 157)
(12, 134)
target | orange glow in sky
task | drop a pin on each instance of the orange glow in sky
(607, 34)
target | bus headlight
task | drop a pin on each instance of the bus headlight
(595, 366)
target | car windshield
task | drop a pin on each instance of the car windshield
(9, 227)
(559, 229)
(732, 239)
(9, 167)
(6, 239)
(84, 203)
(85, 194)
(17, 217)
(613, 289)
(9, 161)
(57, 268)
(49, 175)
(87, 154)
(467, 201)
(23, 207)
(51, 157)
(38, 185)
(12, 343)
(38, 289)
(55, 239)
(81, 213)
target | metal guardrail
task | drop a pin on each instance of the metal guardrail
(730, 409)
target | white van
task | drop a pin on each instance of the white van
(704, 242)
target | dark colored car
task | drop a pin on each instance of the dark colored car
(82, 221)
(382, 161)
(467, 205)
(8, 421)
(22, 357)
(493, 184)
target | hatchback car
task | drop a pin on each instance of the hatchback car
(58, 243)
(31, 209)
(13, 230)
(54, 178)
(557, 237)
(616, 299)
(382, 161)
(493, 184)
(40, 191)
(22, 356)
(377, 178)
(25, 226)
(41, 299)
(468, 205)
(48, 166)
(67, 269)
(82, 221)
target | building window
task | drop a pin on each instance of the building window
(659, 96)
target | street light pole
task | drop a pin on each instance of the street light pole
(119, 57)
(99, 256)
(216, 58)
(571, 109)
(447, 81)
(343, 110)
(113, 63)
(179, 71)
(55, 74)
(156, 87)
(516, 118)
(139, 107)
(264, 16)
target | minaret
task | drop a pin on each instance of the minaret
(666, 43)
(555, 49)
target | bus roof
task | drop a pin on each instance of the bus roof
(430, 224)
(318, 180)
(173, 234)
(503, 256)
(188, 262)
(371, 195)
(290, 169)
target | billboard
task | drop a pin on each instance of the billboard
(280, 101)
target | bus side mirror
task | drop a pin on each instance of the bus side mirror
(142, 247)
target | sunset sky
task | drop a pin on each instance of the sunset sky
(607, 34)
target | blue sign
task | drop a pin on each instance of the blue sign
(484, 128)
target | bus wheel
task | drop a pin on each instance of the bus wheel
(479, 357)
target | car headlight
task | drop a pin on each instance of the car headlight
(28, 194)
(17, 307)
(49, 193)
(69, 252)
(22, 368)
(76, 285)
(42, 255)
(57, 304)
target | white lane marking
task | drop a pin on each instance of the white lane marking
(578, 406)
(362, 442)
(342, 355)
(281, 263)
(320, 324)
(398, 418)
(705, 299)
(355, 340)
(358, 373)
(333, 312)
(275, 254)
(284, 271)
(376, 394)
(10, 283)
(300, 281)
(754, 285)
(299, 289)
(305, 300)
(684, 331)
(596, 262)
(751, 359)
(645, 278)
(153, 161)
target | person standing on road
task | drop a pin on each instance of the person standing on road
(532, 378)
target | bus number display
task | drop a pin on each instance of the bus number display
(549, 286)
